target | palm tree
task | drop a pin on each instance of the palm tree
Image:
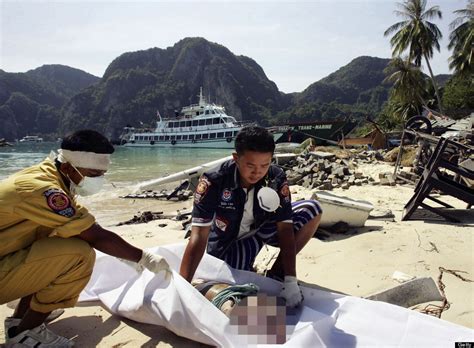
(416, 34)
(409, 85)
(461, 40)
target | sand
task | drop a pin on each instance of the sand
(357, 263)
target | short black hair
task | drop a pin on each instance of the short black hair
(87, 140)
(254, 138)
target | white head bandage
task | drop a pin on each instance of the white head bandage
(83, 159)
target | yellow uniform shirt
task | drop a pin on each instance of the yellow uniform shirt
(35, 203)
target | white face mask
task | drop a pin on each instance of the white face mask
(88, 185)
(268, 199)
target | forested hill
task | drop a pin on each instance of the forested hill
(137, 84)
(53, 100)
(30, 103)
(354, 90)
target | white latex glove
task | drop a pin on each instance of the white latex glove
(154, 263)
(291, 292)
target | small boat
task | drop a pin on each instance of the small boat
(202, 125)
(342, 209)
(3, 142)
(31, 139)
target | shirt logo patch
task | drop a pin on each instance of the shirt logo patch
(285, 192)
(201, 189)
(226, 195)
(59, 202)
(221, 223)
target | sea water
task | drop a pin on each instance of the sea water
(129, 165)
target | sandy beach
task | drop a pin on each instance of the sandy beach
(359, 263)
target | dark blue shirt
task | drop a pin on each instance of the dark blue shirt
(219, 202)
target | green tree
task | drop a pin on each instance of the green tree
(416, 34)
(458, 96)
(409, 85)
(461, 40)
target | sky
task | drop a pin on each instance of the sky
(295, 42)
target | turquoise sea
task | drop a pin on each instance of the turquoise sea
(129, 165)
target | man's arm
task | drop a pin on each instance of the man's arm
(194, 251)
(110, 243)
(286, 241)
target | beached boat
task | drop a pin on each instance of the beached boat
(31, 139)
(202, 125)
(322, 132)
(342, 209)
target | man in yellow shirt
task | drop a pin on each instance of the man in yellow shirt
(47, 239)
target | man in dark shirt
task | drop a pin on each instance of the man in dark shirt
(245, 203)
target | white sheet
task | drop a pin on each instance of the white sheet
(326, 320)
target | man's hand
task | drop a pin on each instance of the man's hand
(154, 263)
(291, 292)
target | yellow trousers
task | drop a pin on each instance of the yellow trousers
(53, 270)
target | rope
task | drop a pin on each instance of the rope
(235, 293)
(435, 310)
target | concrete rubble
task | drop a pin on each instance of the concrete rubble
(326, 171)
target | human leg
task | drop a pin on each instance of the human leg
(241, 254)
(306, 218)
(48, 275)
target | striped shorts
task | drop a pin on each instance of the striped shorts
(241, 254)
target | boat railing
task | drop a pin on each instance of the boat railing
(245, 123)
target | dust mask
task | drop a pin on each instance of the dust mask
(88, 185)
(268, 199)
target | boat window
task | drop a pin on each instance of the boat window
(155, 137)
(161, 138)
(202, 122)
(188, 123)
(176, 124)
(213, 112)
(173, 137)
(213, 135)
(220, 135)
(185, 137)
(195, 123)
(191, 136)
(198, 136)
(205, 136)
(179, 137)
(208, 121)
(182, 123)
(207, 112)
(167, 137)
(216, 120)
(228, 134)
(235, 133)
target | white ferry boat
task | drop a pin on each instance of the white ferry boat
(202, 125)
(31, 139)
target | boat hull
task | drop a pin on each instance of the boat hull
(342, 209)
(200, 144)
(224, 143)
(322, 132)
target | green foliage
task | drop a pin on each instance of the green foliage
(461, 41)
(409, 83)
(30, 102)
(458, 96)
(416, 34)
